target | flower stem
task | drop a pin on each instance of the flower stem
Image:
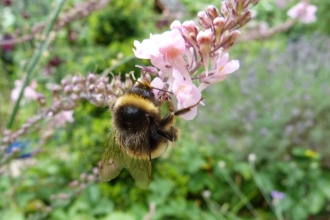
(239, 193)
(259, 183)
(34, 60)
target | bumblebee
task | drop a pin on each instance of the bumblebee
(139, 133)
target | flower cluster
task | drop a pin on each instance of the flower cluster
(94, 88)
(178, 55)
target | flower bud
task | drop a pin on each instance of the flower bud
(254, 2)
(82, 186)
(92, 88)
(204, 21)
(90, 178)
(100, 87)
(230, 40)
(218, 24)
(99, 99)
(64, 82)
(244, 19)
(77, 89)
(55, 89)
(212, 12)
(83, 176)
(75, 80)
(95, 171)
(128, 81)
(74, 183)
(104, 80)
(204, 40)
(48, 209)
(90, 78)
(190, 27)
(53, 197)
(67, 89)
(41, 99)
(74, 97)
(56, 107)
(63, 196)
(224, 9)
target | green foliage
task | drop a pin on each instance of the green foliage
(118, 21)
(322, 23)
(275, 109)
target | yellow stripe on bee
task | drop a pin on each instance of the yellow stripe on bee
(138, 101)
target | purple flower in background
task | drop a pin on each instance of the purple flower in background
(20, 147)
(7, 47)
(277, 195)
(7, 2)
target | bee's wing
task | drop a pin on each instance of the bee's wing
(140, 169)
(139, 163)
(113, 159)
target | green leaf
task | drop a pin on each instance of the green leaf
(13, 214)
(79, 206)
(315, 201)
(324, 186)
(94, 193)
(58, 214)
(161, 189)
(102, 207)
(298, 212)
(119, 216)
(23, 199)
(243, 168)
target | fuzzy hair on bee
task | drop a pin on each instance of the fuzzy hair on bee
(139, 133)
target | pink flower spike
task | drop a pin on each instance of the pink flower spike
(223, 68)
(186, 93)
(303, 12)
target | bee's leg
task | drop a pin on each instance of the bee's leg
(166, 126)
(169, 118)
(188, 109)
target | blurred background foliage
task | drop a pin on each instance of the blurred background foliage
(275, 107)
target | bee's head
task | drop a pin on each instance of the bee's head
(144, 89)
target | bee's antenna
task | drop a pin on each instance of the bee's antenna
(163, 90)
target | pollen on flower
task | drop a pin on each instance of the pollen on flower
(173, 52)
